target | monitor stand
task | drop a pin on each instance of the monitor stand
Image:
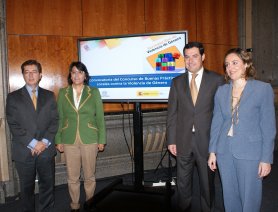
(138, 187)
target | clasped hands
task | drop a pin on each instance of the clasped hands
(39, 148)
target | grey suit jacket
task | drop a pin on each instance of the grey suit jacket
(27, 123)
(255, 132)
(182, 114)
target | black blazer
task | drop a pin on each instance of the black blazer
(27, 123)
(182, 114)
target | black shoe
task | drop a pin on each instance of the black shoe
(90, 206)
(188, 209)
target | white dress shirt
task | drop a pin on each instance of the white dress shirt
(198, 80)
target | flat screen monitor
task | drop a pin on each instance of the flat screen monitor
(134, 68)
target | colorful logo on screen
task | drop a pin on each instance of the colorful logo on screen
(166, 61)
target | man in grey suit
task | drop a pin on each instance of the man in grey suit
(190, 107)
(33, 120)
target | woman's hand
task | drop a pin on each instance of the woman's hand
(264, 169)
(100, 147)
(212, 161)
(60, 147)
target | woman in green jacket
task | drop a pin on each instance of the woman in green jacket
(81, 132)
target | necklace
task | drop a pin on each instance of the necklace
(234, 111)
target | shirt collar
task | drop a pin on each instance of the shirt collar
(29, 89)
(200, 73)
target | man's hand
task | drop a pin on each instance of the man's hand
(173, 149)
(39, 148)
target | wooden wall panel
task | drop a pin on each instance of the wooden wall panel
(217, 21)
(215, 57)
(169, 15)
(55, 53)
(110, 17)
(44, 17)
(48, 31)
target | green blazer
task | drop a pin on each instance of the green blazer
(88, 119)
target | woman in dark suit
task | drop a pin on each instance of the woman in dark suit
(81, 132)
(242, 133)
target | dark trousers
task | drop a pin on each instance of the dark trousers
(185, 170)
(44, 167)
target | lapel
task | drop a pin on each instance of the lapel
(40, 99)
(86, 94)
(246, 92)
(245, 95)
(205, 83)
(187, 88)
(228, 98)
(69, 97)
(84, 97)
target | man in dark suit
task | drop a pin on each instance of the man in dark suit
(189, 118)
(33, 120)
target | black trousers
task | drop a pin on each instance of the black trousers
(185, 170)
(44, 167)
